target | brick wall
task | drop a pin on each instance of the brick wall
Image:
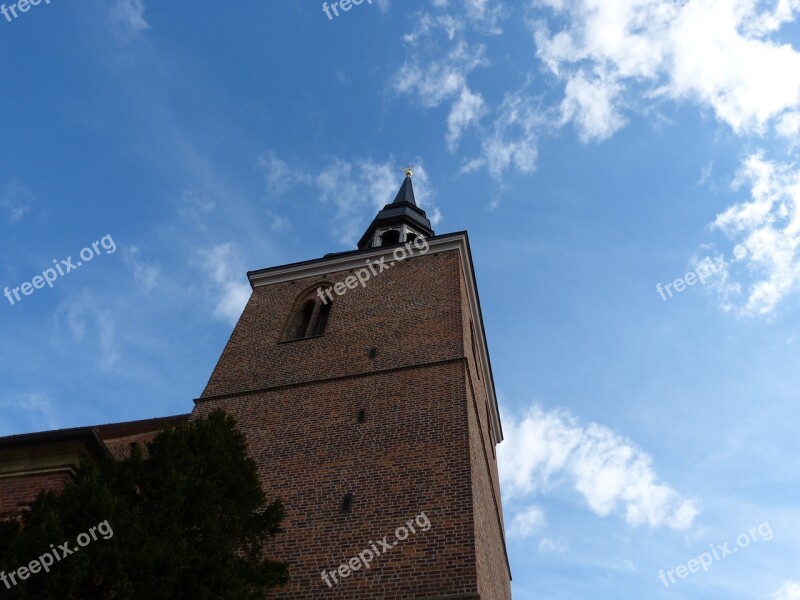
(19, 491)
(423, 447)
(410, 313)
(493, 568)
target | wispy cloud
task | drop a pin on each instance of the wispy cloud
(548, 448)
(354, 187)
(128, 16)
(706, 177)
(767, 226)
(31, 410)
(442, 54)
(466, 111)
(279, 175)
(513, 138)
(226, 285)
(433, 83)
(194, 207)
(145, 275)
(526, 523)
(551, 546)
(609, 59)
(88, 322)
(789, 591)
(16, 200)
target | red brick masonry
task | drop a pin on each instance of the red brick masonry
(426, 443)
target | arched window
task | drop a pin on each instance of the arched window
(309, 317)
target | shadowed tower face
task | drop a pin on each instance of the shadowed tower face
(363, 383)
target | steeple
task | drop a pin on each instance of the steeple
(398, 222)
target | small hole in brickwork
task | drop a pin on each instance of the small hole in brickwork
(362, 415)
(373, 353)
(347, 503)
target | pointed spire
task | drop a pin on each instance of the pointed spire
(403, 216)
(406, 193)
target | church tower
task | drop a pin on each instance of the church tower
(363, 383)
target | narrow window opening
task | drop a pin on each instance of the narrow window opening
(322, 319)
(362, 415)
(373, 353)
(491, 430)
(474, 350)
(390, 237)
(347, 503)
(305, 319)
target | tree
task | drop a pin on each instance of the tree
(185, 519)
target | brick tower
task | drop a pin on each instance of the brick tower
(363, 383)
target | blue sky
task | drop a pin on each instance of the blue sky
(593, 150)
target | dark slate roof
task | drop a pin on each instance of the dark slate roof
(406, 193)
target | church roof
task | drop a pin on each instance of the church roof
(95, 435)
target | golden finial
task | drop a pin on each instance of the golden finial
(409, 170)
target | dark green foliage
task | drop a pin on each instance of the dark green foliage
(188, 520)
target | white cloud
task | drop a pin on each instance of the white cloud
(789, 591)
(789, 126)
(35, 409)
(229, 290)
(128, 15)
(768, 227)
(717, 53)
(194, 207)
(442, 81)
(512, 140)
(89, 322)
(550, 546)
(526, 523)
(611, 58)
(145, 276)
(16, 200)
(706, 176)
(589, 103)
(609, 471)
(356, 188)
(433, 82)
(466, 111)
(279, 175)
(278, 223)
(437, 71)
(485, 15)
